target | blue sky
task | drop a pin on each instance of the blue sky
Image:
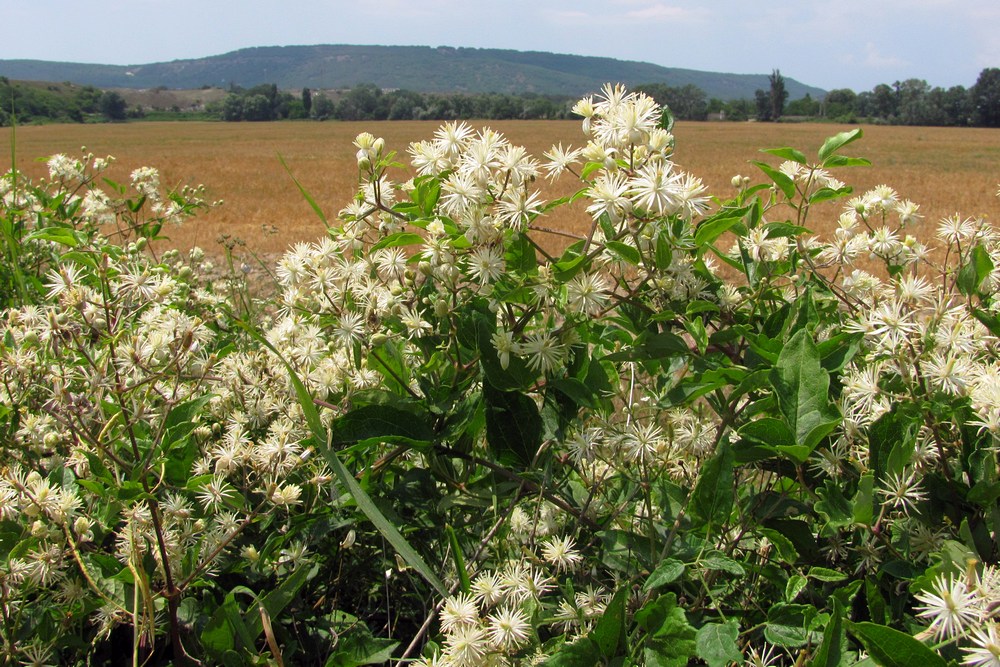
(831, 44)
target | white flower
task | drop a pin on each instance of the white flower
(902, 491)
(986, 652)
(459, 611)
(486, 264)
(560, 552)
(508, 628)
(655, 190)
(503, 341)
(466, 646)
(545, 353)
(587, 294)
(950, 607)
(609, 194)
(560, 159)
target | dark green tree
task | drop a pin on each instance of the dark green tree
(232, 107)
(323, 107)
(985, 98)
(762, 101)
(257, 107)
(778, 94)
(840, 103)
(113, 106)
(307, 100)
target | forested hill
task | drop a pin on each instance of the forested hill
(417, 68)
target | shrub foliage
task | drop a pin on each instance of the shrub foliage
(698, 433)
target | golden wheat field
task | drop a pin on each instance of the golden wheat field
(945, 170)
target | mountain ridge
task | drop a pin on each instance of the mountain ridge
(441, 69)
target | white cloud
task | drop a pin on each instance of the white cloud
(875, 59)
(662, 12)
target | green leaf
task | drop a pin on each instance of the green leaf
(305, 193)
(788, 624)
(834, 506)
(892, 648)
(652, 346)
(825, 574)
(782, 180)
(838, 141)
(61, 235)
(720, 563)
(716, 644)
(581, 653)
(671, 638)
(459, 558)
(276, 601)
(715, 226)
(975, 271)
(786, 153)
(363, 501)
(382, 423)
(398, 240)
(513, 426)
(520, 256)
(831, 652)
(712, 499)
(696, 328)
(783, 546)
(802, 387)
(226, 630)
(794, 586)
(609, 633)
(844, 161)
(667, 571)
(356, 646)
(864, 500)
(624, 252)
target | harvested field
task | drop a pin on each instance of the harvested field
(945, 170)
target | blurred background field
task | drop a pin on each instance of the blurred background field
(945, 170)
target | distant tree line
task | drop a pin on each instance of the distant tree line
(65, 103)
(910, 102)
(369, 102)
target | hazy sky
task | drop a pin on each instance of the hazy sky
(831, 44)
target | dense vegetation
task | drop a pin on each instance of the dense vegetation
(699, 434)
(911, 102)
(64, 103)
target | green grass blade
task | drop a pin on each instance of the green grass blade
(362, 499)
(305, 193)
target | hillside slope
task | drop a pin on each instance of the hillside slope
(419, 68)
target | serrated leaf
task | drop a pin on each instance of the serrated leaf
(581, 653)
(802, 387)
(716, 644)
(513, 426)
(666, 572)
(712, 499)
